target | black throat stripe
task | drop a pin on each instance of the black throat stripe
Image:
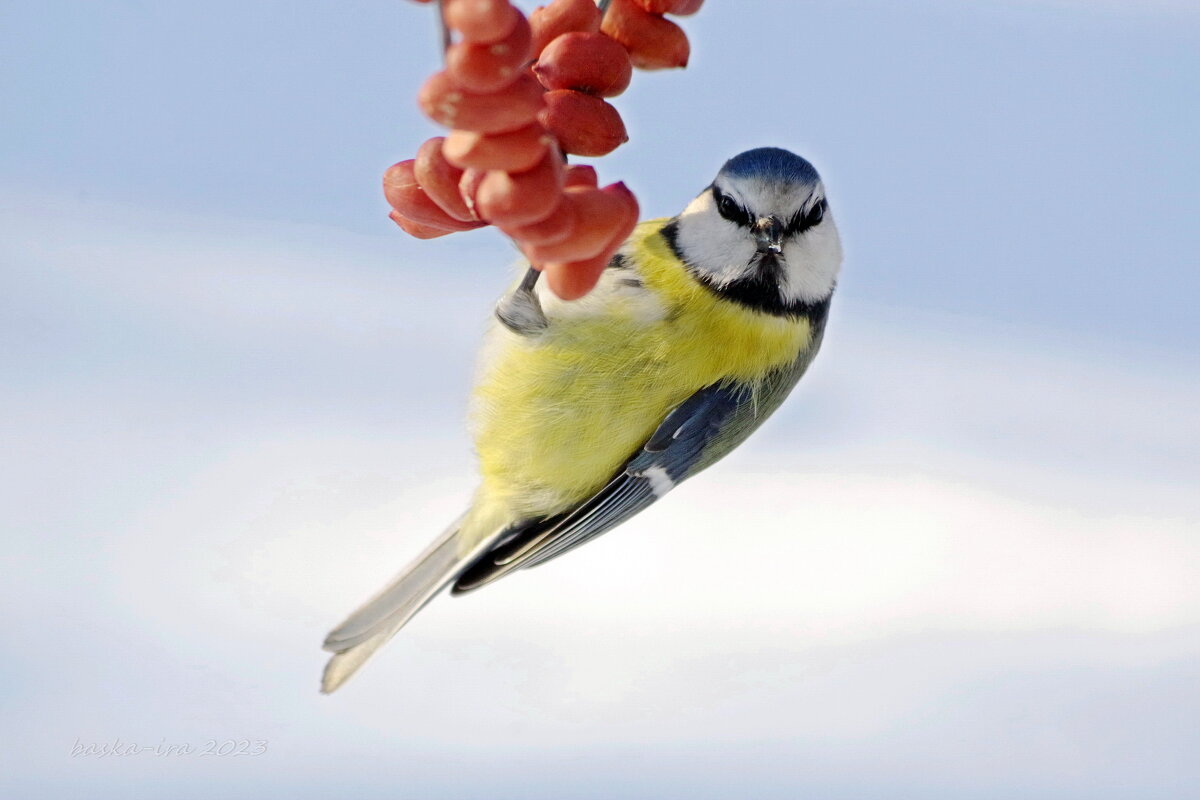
(759, 292)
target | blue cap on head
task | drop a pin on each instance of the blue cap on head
(772, 163)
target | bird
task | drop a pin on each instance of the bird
(585, 413)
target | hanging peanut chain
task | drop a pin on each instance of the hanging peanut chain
(519, 95)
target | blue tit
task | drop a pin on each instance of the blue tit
(587, 412)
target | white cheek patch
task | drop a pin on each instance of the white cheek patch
(712, 244)
(813, 261)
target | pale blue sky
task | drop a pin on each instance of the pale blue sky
(1031, 159)
(961, 562)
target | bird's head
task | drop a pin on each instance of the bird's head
(761, 234)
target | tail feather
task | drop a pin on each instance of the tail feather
(378, 620)
(416, 584)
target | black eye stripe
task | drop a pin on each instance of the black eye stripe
(802, 222)
(728, 208)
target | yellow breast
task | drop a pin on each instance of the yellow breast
(557, 415)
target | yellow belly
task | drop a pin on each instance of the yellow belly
(557, 415)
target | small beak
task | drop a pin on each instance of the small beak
(769, 232)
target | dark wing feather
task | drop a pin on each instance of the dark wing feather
(667, 458)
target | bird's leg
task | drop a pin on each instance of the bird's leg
(520, 311)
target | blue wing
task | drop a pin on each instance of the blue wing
(671, 454)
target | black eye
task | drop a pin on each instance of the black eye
(803, 221)
(728, 208)
(815, 214)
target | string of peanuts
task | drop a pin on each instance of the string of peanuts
(519, 95)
